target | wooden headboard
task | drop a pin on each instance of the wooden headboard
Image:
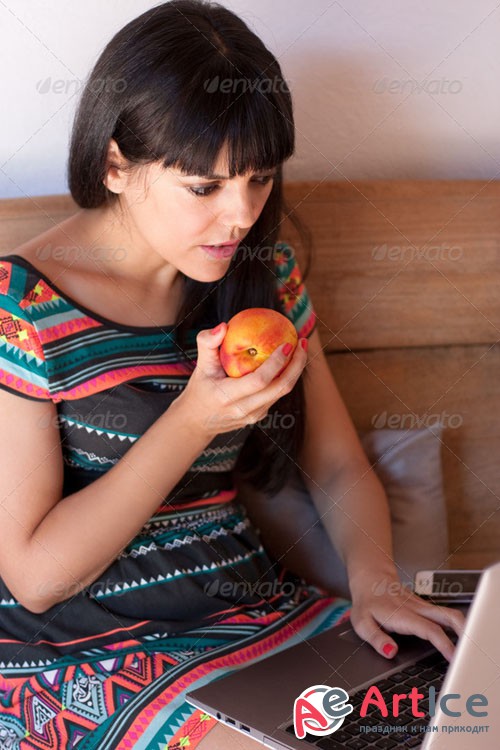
(405, 280)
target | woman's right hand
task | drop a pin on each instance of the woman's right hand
(216, 403)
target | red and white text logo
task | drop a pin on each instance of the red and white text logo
(320, 710)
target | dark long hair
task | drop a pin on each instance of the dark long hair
(178, 84)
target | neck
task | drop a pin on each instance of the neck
(112, 248)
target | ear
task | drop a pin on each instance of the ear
(116, 178)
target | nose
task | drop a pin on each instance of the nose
(240, 209)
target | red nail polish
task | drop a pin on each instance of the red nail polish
(287, 349)
(304, 344)
(388, 649)
(216, 330)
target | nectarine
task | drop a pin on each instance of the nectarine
(251, 337)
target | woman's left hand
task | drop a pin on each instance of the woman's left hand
(385, 604)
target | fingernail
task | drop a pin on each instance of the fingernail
(216, 329)
(287, 349)
(304, 344)
(388, 649)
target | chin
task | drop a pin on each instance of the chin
(207, 276)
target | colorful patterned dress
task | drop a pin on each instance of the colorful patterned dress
(109, 666)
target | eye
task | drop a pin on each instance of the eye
(203, 192)
(264, 180)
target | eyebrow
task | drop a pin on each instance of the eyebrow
(215, 177)
(273, 170)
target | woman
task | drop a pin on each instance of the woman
(129, 572)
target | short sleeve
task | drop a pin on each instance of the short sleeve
(22, 361)
(292, 292)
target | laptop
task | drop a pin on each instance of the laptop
(258, 700)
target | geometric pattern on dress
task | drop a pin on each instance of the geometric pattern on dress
(84, 696)
(129, 586)
(41, 710)
(139, 671)
(72, 713)
(133, 692)
(143, 548)
(99, 431)
(192, 731)
(10, 733)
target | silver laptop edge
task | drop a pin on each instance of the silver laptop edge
(474, 670)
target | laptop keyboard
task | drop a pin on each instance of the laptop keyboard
(422, 674)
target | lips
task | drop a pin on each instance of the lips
(223, 244)
(221, 251)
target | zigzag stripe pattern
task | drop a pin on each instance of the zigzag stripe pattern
(128, 587)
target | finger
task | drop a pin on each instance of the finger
(429, 630)
(278, 362)
(288, 375)
(293, 368)
(208, 342)
(424, 620)
(261, 402)
(258, 381)
(445, 616)
(371, 632)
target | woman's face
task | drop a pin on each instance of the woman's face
(174, 215)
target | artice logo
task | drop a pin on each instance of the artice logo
(320, 710)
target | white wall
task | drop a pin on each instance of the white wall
(354, 68)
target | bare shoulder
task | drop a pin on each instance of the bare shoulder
(61, 255)
(50, 250)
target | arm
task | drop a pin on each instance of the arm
(339, 477)
(85, 532)
(353, 508)
(52, 547)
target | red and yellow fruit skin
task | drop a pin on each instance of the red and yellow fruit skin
(251, 337)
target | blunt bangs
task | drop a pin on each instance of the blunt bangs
(250, 126)
(248, 114)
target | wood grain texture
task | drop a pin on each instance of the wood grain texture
(405, 280)
(402, 263)
(24, 218)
